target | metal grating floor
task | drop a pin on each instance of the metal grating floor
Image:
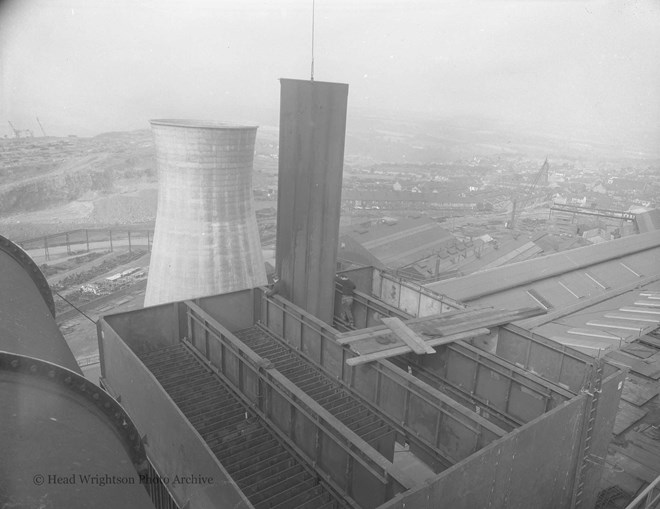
(348, 409)
(269, 475)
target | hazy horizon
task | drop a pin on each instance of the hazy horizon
(582, 68)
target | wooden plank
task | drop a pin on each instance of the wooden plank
(627, 416)
(623, 358)
(645, 442)
(371, 347)
(651, 370)
(613, 476)
(431, 327)
(638, 391)
(642, 456)
(392, 352)
(639, 350)
(653, 358)
(650, 340)
(500, 318)
(632, 467)
(452, 317)
(363, 335)
(417, 344)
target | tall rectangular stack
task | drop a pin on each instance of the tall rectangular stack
(311, 160)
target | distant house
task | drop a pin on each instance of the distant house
(622, 184)
(579, 201)
(406, 200)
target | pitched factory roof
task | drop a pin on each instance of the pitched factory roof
(648, 221)
(560, 279)
(400, 243)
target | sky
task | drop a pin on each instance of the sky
(90, 66)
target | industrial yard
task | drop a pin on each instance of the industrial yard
(415, 254)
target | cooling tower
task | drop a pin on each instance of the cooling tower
(206, 239)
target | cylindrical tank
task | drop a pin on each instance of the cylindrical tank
(27, 313)
(64, 441)
(206, 239)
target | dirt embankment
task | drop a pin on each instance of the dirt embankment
(53, 190)
(130, 208)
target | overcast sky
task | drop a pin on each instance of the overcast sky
(88, 66)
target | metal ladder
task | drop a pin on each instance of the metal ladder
(592, 389)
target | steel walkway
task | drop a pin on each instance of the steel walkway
(267, 472)
(326, 391)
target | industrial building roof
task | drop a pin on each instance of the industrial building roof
(560, 279)
(399, 243)
(648, 221)
(604, 323)
(351, 252)
(551, 243)
(526, 251)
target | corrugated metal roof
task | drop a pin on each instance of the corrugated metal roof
(350, 251)
(609, 324)
(402, 243)
(610, 264)
(610, 293)
(524, 252)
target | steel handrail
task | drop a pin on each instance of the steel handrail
(646, 497)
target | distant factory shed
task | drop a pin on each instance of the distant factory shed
(394, 243)
(648, 221)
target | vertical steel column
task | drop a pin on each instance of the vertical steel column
(311, 159)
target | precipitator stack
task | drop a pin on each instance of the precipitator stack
(311, 165)
(206, 239)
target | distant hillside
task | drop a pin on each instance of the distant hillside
(416, 138)
(38, 173)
